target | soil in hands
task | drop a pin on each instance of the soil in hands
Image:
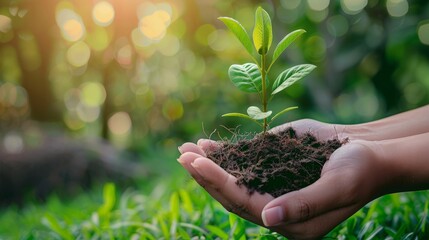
(275, 163)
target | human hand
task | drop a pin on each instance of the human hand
(350, 179)
(221, 185)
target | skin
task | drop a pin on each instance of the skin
(385, 156)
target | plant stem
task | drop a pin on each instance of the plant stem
(264, 89)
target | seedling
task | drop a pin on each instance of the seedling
(253, 77)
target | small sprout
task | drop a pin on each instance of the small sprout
(252, 77)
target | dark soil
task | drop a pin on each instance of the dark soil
(275, 163)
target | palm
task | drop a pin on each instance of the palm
(342, 189)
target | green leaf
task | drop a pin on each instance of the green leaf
(241, 115)
(217, 231)
(109, 198)
(285, 42)
(262, 32)
(186, 201)
(240, 33)
(290, 76)
(283, 111)
(238, 229)
(246, 77)
(257, 114)
(51, 222)
(174, 206)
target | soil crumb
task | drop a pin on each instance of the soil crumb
(275, 163)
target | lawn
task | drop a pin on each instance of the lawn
(176, 208)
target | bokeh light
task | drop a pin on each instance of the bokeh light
(154, 26)
(103, 13)
(124, 55)
(72, 99)
(139, 39)
(78, 54)
(318, 5)
(87, 113)
(169, 45)
(72, 121)
(93, 94)
(98, 39)
(337, 25)
(120, 123)
(353, 7)
(397, 8)
(12, 95)
(13, 143)
(172, 109)
(423, 32)
(290, 4)
(315, 49)
(5, 23)
(71, 25)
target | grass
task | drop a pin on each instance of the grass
(177, 208)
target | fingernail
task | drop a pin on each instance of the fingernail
(180, 161)
(195, 165)
(180, 149)
(273, 216)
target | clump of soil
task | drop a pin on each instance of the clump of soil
(275, 163)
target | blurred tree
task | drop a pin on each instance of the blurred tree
(34, 45)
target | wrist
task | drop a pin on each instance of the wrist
(364, 131)
(405, 161)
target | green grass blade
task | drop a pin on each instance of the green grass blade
(51, 222)
(374, 234)
(217, 231)
(238, 230)
(163, 227)
(186, 201)
(174, 207)
(109, 198)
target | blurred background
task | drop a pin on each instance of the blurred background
(110, 88)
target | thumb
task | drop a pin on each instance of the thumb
(342, 178)
(322, 196)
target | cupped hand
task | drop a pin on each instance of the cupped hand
(221, 185)
(350, 178)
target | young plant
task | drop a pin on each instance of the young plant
(253, 77)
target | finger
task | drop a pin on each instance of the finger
(318, 226)
(324, 195)
(191, 147)
(341, 184)
(187, 159)
(238, 200)
(208, 145)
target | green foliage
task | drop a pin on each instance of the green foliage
(284, 43)
(246, 77)
(290, 76)
(235, 27)
(263, 31)
(252, 77)
(190, 213)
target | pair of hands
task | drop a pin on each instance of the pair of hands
(350, 179)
